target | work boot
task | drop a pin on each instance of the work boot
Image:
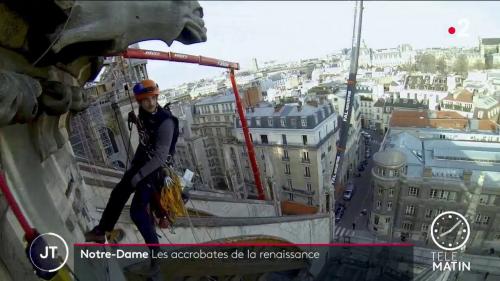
(95, 235)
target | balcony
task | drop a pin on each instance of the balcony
(306, 160)
(298, 191)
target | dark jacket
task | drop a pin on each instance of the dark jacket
(156, 142)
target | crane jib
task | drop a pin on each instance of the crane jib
(349, 99)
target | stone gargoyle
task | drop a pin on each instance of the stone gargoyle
(49, 50)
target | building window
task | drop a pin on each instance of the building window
(478, 218)
(486, 219)
(309, 201)
(263, 139)
(407, 226)
(413, 191)
(226, 118)
(375, 220)
(304, 122)
(304, 139)
(217, 118)
(486, 199)
(305, 156)
(380, 190)
(482, 219)
(290, 184)
(257, 121)
(282, 120)
(379, 204)
(307, 172)
(389, 205)
(391, 192)
(218, 131)
(387, 220)
(428, 213)
(442, 194)
(270, 121)
(410, 210)
(283, 137)
(290, 196)
(425, 227)
(285, 154)
(309, 186)
(287, 169)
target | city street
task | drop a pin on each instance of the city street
(362, 198)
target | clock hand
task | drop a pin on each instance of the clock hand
(451, 229)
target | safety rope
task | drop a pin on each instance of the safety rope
(196, 213)
(55, 40)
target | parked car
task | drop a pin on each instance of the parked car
(339, 213)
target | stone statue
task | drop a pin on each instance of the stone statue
(48, 51)
(43, 73)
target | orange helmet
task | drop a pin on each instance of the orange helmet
(146, 88)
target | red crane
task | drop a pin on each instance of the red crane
(201, 60)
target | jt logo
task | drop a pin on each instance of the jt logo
(53, 252)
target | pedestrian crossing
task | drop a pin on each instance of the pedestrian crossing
(343, 232)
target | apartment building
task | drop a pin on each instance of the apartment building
(294, 145)
(212, 124)
(422, 170)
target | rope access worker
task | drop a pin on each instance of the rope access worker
(158, 132)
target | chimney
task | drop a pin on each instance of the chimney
(427, 172)
(467, 176)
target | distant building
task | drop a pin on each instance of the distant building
(490, 51)
(422, 171)
(459, 101)
(431, 88)
(294, 145)
(402, 55)
(212, 125)
(472, 105)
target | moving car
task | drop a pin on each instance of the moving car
(349, 191)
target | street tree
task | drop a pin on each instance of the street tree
(461, 64)
(441, 65)
(479, 65)
(426, 63)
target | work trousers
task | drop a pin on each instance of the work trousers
(139, 213)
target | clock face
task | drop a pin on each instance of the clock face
(450, 231)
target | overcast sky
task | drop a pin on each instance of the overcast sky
(285, 31)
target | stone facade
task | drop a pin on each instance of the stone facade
(416, 179)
